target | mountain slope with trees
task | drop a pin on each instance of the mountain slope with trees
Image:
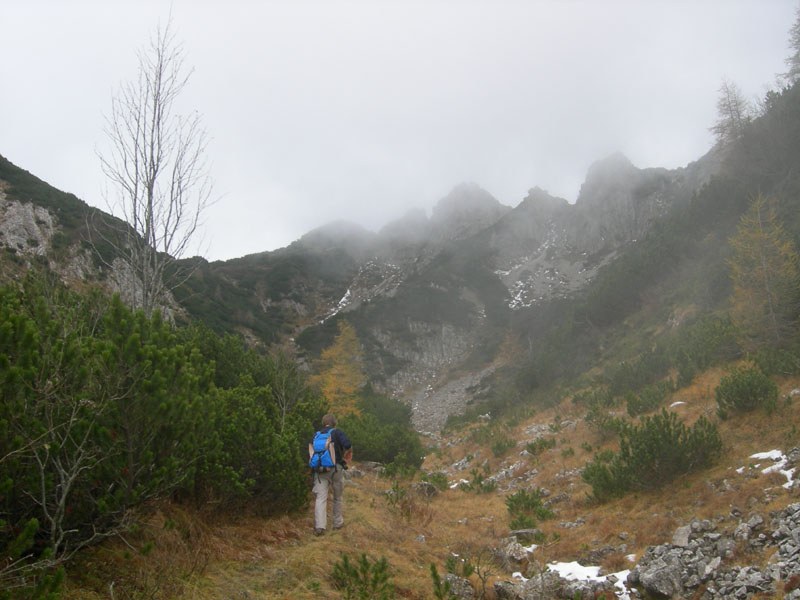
(688, 294)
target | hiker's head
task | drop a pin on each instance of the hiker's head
(329, 420)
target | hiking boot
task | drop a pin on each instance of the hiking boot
(319, 531)
(338, 526)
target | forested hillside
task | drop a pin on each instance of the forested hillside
(105, 411)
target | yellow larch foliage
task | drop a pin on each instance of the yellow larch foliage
(340, 371)
(766, 278)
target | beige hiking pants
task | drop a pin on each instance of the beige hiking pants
(322, 481)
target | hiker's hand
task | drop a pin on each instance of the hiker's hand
(348, 454)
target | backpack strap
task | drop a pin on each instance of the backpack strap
(332, 449)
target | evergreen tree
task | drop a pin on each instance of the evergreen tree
(766, 278)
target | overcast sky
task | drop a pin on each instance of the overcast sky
(362, 110)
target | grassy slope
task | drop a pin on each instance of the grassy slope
(199, 555)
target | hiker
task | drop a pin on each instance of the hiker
(332, 449)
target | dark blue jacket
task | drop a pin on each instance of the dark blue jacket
(340, 443)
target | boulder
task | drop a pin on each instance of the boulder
(544, 585)
(663, 576)
(459, 587)
(512, 553)
(681, 536)
(425, 489)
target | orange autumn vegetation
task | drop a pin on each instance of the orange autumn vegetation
(340, 371)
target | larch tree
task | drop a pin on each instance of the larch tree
(793, 60)
(734, 113)
(157, 174)
(766, 278)
(340, 371)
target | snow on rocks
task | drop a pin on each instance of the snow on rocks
(563, 580)
(695, 564)
(780, 463)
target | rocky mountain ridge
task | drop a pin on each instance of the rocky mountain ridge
(426, 294)
(507, 260)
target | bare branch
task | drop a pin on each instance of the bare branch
(157, 169)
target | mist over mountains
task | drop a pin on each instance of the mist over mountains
(436, 300)
(427, 295)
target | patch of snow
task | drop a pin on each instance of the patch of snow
(740, 470)
(678, 403)
(530, 548)
(772, 455)
(780, 460)
(520, 576)
(574, 570)
(631, 557)
(458, 483)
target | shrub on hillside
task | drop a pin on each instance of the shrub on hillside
(365, 579)
(744, 390)
(632, 375)
(649, 398)
(502, 445)
(652, 454)
(598, 416)
(777, 361)
(698, 346)
(526, 509)
(539, 445)
(383, 433)
(105, 409)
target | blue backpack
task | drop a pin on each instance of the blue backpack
(321, 452)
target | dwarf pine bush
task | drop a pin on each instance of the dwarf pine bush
(652, 454)
(526, 509)
(539, 445)
(441, 589)
(744, 390)
(104, 409)
(364, 580)
(649, 398)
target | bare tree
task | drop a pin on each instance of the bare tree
(734, 113)
(157, 171)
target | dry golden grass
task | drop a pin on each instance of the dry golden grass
(208, 557)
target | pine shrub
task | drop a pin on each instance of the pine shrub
(383, 433)
(778, 361)
(526, 509)
(502, 445)
(441, 589)
(365, 580)
(745, 390)
(105, 409)
(649, 398)
(539, 445)
(652, 454)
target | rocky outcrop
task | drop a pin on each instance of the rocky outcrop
(701, 556)
(547, 248)
(465, 211)
(432, 405)
(25, 227)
